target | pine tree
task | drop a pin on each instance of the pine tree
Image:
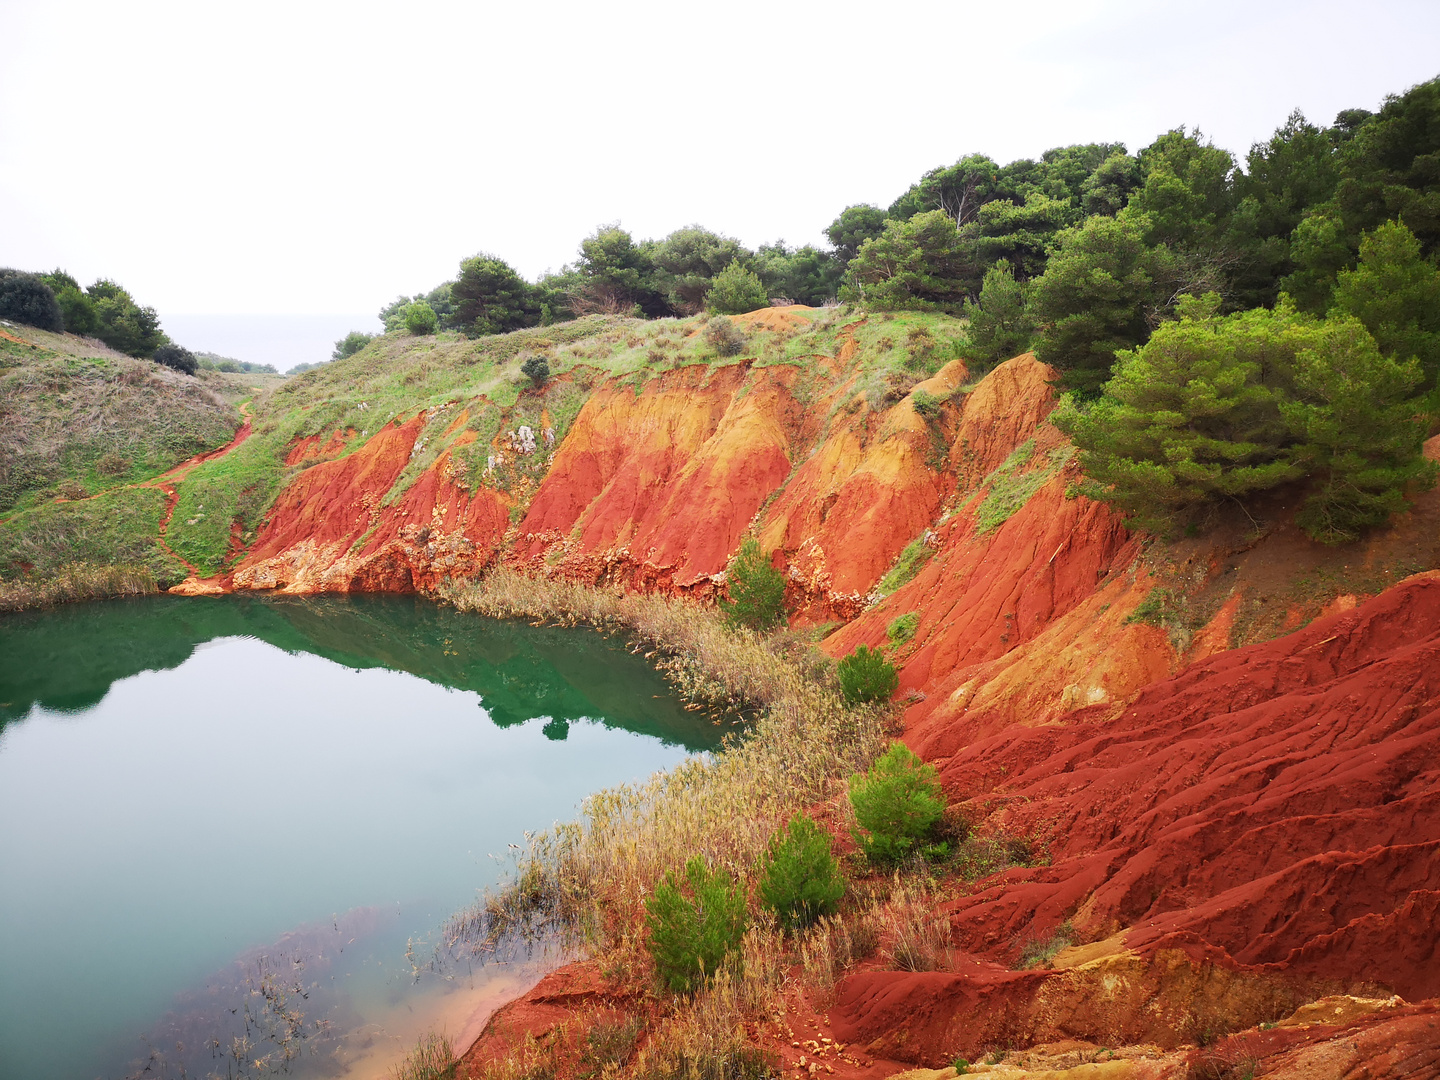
(1395, 292)
(1000, 325)
(1362, 431)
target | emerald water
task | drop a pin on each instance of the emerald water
(204, 800)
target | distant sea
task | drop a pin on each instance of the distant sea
(282, 340)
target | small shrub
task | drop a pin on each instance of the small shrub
(926, 403)
(756, 589)
(920, 343)
(177, 357)
(897, 804)
(724, 336)
(903, 628)
(349, 345)
(537, 369)
(866, 675)
(919, 935)
(690, 936)
(420, 318)
(1038, 952)
(25, 298)
(112, 464)
(609, 1043)
(735, 291)
(800, 880)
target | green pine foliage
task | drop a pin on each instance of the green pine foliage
(26, 298)
(736, 290)
(921, 264)
(1218, 407)
(1395, 292)
(897, 805)
(420, 318)
(1092, 298)
(800, 880)
(1000, 324)
(865, 676)
(695, 922)
(350, 344)
(177, 357)
(1360, 434)
(756, 589)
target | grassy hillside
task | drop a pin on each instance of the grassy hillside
(77, 418)
(83, 420)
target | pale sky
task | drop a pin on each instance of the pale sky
(310, 158)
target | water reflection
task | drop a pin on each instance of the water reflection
(183, 780)
(66, 659)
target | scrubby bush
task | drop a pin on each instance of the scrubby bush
(897, 805)
(420, 318)
(866, 675)
(903, 628)
(350, 344)
(926, 403)
(690, 935)
(736, 290)
(177, 357)
(25, 298)
(77, 309)
(800, 880)
(756, 589)
(122, 323)
(724, 336)
(536, 369)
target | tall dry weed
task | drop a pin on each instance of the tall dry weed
(917, 937)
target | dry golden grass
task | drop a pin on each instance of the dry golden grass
(587, 880)
(76, 581)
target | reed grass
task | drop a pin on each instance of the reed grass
(75, 581)
(432, 1059)
(584, 883)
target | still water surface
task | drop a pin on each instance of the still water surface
(200, 795)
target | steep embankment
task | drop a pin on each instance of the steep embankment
(1224, 823)
(1257, 831)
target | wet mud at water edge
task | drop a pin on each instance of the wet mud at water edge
(231, 828)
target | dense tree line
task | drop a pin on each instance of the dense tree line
(104, 310)
(1225, 327)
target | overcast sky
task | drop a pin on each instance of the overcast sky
(311, 158)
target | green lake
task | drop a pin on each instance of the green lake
(206, 803)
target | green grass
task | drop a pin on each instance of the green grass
(907, 564)
(116, 529)
(74, 425)
(1157, 609)
(1011, 485)
(240, 486)
(903, 628)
